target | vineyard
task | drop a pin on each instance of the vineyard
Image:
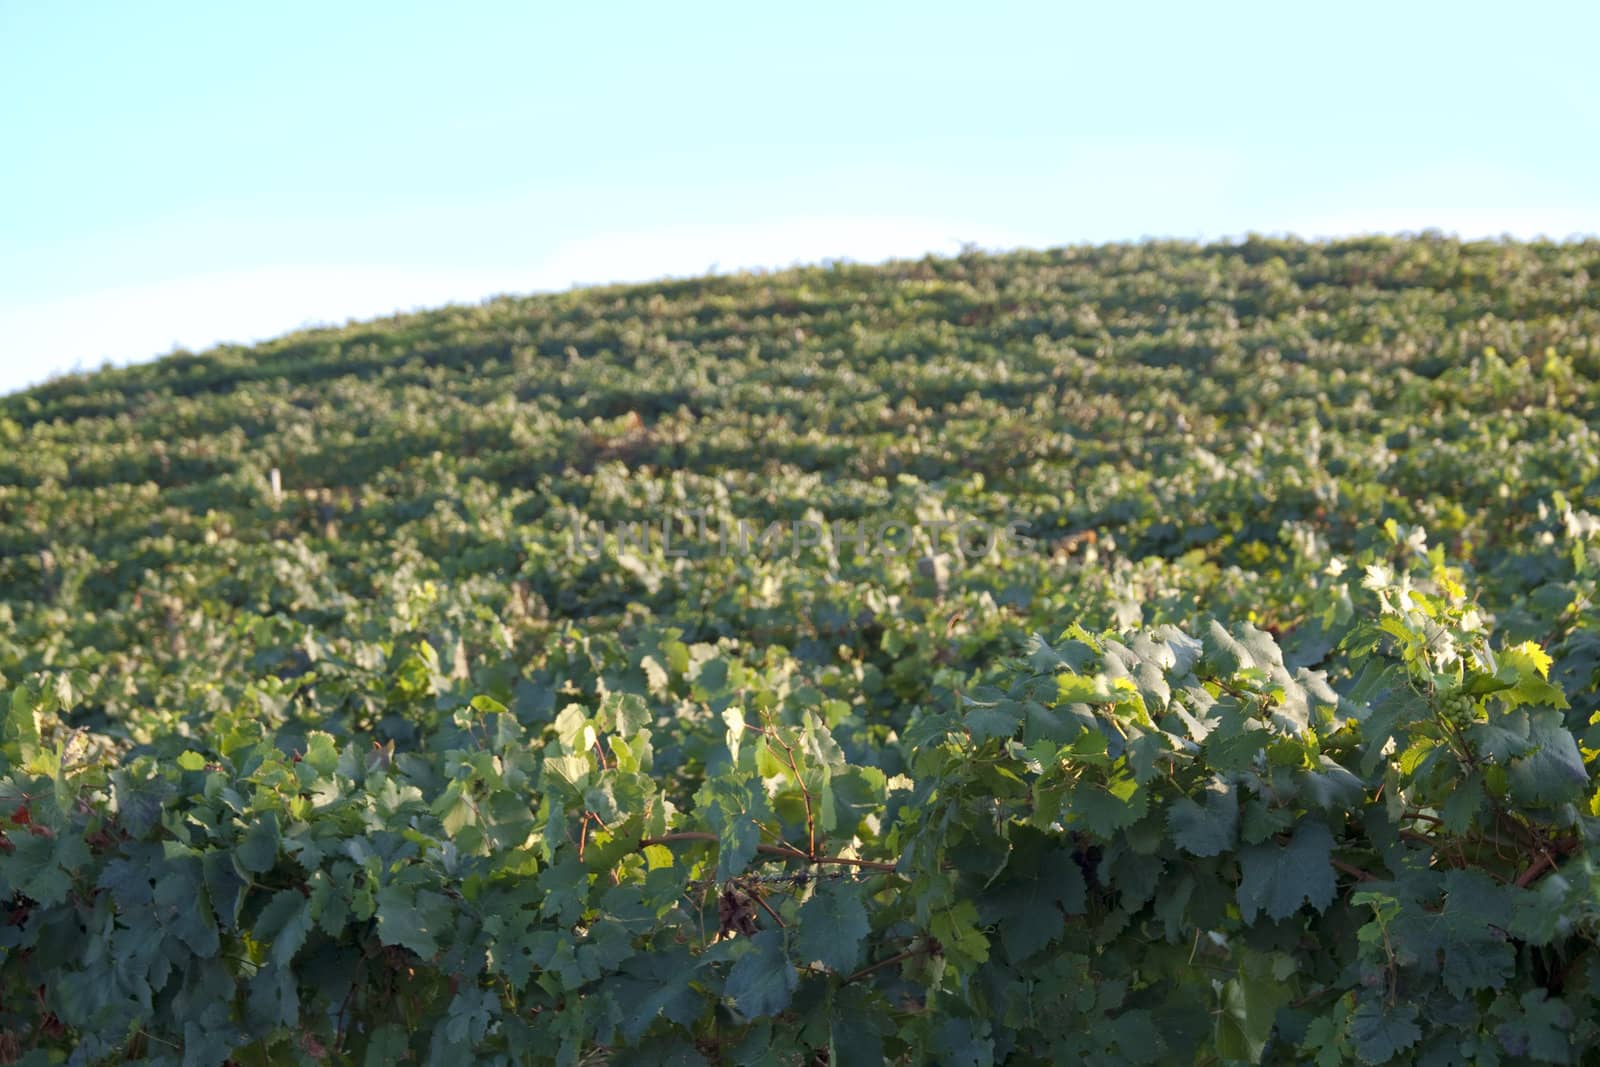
(1140, 654)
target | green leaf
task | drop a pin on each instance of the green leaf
(413, 919)
(258, 850)
(285, 922)
(763, 980)
(322, 753)
(1105, 809)
(488, 705)
(1135, 1036)
(958, 929)
(985, 724)
(832, 927)
(1330, 787)
(656, 676)
(21, 726)
(1528, 667)
(138, 799)
(735, 810)
(1540, 915)
(1504, 737)
(1250, 1005)
(1278, 880)
(1223, 653)
(1030, 905)
(658, 985)
(1465, 802)
(1208, 828)
(274, 999)
(857, 793)
(566, 890)
(209, 1036)
(629, 711)
(740, 836)
(34, 870)
(855, 1026)
(1477, 954)
(964, 1043)
(1540, 1031)
(387, 1046)
(1325, 1037)
(1379, 1033)
(1554, 772)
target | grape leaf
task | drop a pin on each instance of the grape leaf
(832, 927)
(284, 922)
(1278, 879)
(1207, 828)
(1378, 1033)
(412, 919)
(762, 980)
(258, 850)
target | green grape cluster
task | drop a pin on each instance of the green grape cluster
(1457, 707)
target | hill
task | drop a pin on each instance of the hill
(1097, 653)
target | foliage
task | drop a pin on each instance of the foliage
(1276, 744)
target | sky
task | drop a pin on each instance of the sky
(178, 175)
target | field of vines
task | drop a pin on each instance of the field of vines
(1140, 654)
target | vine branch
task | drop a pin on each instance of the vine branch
(785, 851)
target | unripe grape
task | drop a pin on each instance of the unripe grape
(1457, 707)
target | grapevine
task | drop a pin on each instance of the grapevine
(406, 692)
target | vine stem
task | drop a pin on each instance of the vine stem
(583, 836)
(785, 851)
(1547, 860)
(881, 964)
(805, 794)
(1527, 877)
(1423, 817)
(759, 899)
(1355, 872)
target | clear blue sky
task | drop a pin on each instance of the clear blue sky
(183, 174)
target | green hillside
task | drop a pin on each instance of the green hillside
(1150, 653)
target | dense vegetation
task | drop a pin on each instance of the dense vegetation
(1268, 738)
